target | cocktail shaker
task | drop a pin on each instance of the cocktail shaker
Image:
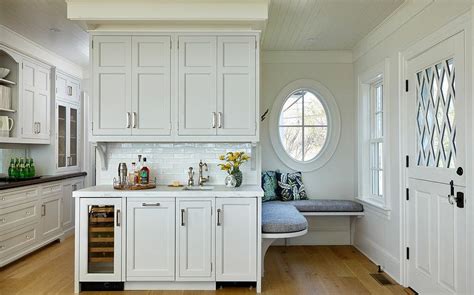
(122, 173)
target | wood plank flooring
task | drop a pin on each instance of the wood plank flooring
(288, 270)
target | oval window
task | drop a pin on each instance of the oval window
(303, 125)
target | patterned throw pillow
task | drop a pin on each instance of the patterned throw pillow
(269, 186)
(291, 187)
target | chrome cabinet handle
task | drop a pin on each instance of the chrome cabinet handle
(128, 120)
(219, 119)
(150, 204)
(39, 127)
(43, 210)
(69, 90)
(219, 217)
(182, 217)
(213, 119)
(118, 216)
(134, 120)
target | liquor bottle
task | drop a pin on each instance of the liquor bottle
(32, 168)
(144, 173)
(131, 174)
(11, 169)
(139, 168)
(21, 171)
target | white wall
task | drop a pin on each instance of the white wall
(378, 234)
(334, 70)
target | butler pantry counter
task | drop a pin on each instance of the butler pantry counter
(167, 238)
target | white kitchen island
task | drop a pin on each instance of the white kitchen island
(167, 238)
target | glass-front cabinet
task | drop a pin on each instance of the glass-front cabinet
(68, 132)
(101, 240)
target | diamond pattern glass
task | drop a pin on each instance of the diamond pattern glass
(436, 115)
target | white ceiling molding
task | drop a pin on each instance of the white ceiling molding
(406, 11)
(304, 57)
(29, 48)
(98, 12)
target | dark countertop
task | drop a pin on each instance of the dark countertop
(43, 179)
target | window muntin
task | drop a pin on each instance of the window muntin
(303, 125)
(376, 138)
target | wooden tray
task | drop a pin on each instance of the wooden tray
(134, 187)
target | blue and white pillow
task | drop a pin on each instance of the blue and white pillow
(269, 186)
(291, 187)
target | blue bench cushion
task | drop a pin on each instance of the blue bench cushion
(281, 217)
(325, 205)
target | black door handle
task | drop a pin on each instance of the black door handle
(460, 171)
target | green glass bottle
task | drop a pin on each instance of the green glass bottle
(21, 171)
(27, 168)
(11, 168)
(32, 168)
(16, 171)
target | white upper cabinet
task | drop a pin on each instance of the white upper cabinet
(35, 101)
(179, 87)
(197, 85)
(112, 85)
(236, 86)
(151, 96)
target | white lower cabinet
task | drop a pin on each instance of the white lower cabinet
(51, 221)
(151, 239)
(236, 239)
(194, 240)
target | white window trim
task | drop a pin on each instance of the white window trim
(334, 125)
(365, 83)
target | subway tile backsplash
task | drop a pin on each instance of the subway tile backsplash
(170, 161)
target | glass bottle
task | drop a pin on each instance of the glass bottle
(139, 168)
(144, 173)
(131, 174)
(27, 168)
(21, 171)
(32, 168)
(11, 169)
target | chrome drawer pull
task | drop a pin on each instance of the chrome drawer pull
(182, 217)
(118, 217)
(219, 217)
(150, 204)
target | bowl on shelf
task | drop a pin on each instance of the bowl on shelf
(4, 72)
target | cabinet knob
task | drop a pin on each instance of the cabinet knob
(28, 213)
(28, 237)
(3, 198)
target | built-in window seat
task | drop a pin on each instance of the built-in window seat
(283, 220)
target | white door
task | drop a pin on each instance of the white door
(151, 239)
(112, 103)
(236, 85)
(151, 88)
(436, 223)
(197, 85)
(236, 239)
(194, 226)
(100, 244)
(51, 216)
(41, 104)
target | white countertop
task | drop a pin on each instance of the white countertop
(107, 191)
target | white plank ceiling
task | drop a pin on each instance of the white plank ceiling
(292, 24)
(323, 24)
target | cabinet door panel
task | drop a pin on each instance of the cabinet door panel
(112, 85)
(151, 72)
(194, 227)
(41, 104)
(236, 86)
(51, 217)
(197, 85)
(28, 123)
(151, 240)
(236, 239)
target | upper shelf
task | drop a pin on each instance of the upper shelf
(7, 110)
(4, 81)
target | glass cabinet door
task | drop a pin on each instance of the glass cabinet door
(62, 141)
(100, 240)
(73, 133)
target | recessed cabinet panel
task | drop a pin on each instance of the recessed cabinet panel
(43, 78)
(153, 53)
(28, 75)
(194, 233)
(237, 103)
(238, 53)
(151, 240)
(236, 239)
(28, 109)
(113, 54)
(51, 219)
(114, 105)
(197, 86)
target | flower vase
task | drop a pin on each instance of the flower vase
(238, 177)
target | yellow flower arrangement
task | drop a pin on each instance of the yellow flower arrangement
(233, 161)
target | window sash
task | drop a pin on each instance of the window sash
(376, 140)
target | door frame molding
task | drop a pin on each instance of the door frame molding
(459, 25)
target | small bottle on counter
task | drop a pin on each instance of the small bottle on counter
(144, 173)
(27, 168)
(11, 169)
(131, 174)
(32, 168)
(21, 170)
(138, 169)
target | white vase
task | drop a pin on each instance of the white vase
(230, 181)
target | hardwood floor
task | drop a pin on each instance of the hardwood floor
(288, 270)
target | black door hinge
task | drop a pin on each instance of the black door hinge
(408, 194)
(406, 85)
(408, 253)
(407, 161)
